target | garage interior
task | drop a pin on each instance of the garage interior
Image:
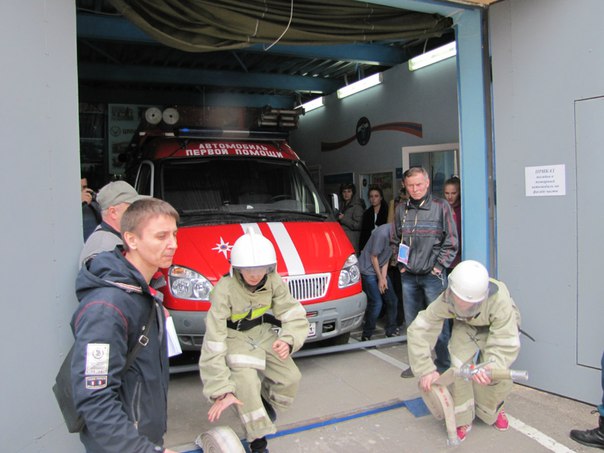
(125, 51)
(133, 54)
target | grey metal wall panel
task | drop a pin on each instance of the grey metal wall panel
(41, 217)
(545, 55)
(589, 115)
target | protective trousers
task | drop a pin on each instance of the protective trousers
(257, 373)
(472, 399)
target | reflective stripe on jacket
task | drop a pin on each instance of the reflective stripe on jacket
(230, 299)
(499, 313)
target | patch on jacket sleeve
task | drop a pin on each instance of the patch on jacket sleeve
(97, 359)
(96, 382)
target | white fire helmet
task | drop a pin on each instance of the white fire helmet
(469, 281)
(253, 250)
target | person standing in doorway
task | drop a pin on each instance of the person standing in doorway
(400, 197)
(373, 264)
(351, 214)
(452, 192)
(91, 212)
(113, 199)
(374, 216)
(427, 238)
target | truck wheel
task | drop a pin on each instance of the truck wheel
(221, 439)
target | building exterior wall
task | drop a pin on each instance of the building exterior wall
(547, 56)
(41, 217)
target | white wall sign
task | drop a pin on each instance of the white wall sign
(545, 181)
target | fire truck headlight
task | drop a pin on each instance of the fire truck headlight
(350, 273)
(187, 284)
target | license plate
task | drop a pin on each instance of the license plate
(312, 330)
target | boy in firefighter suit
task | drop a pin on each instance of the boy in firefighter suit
(485, 329)
(244, 362)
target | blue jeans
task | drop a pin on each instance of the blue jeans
(374, 305)
(418, 292)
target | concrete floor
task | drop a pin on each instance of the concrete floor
(338, 385)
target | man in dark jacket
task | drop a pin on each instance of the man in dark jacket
(124, 411)
(351, 214)
(428, 242)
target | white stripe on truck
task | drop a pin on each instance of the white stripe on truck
(293, 262)
(292, 259)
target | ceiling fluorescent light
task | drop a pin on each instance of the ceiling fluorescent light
(311, 105)
(361, 85)
(434, 56)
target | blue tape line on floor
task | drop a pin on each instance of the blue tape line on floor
(333, 421)
(416, 406)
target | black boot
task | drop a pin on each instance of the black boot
(591, 437)
(259, 445)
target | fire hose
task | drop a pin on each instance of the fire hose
(220, 439)
(440, 402)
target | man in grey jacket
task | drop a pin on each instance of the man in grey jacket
(114, 199)
(428, 243)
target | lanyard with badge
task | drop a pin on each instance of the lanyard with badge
(403, 249)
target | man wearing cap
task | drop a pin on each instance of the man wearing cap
(485, 329)
(114, 199)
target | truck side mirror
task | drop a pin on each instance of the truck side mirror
(335, 202)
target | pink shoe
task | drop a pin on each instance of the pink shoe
(502, 423)
(462, 432)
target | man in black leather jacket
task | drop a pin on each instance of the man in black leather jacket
(427, 237)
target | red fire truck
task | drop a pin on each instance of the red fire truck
(222, 184)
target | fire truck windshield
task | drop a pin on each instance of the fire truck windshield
(231, 186)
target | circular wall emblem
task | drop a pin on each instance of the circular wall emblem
(115, 131)
(363, 131)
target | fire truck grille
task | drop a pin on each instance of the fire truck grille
(308, 287)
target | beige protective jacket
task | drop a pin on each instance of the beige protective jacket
(223, 346)
(498, 314)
